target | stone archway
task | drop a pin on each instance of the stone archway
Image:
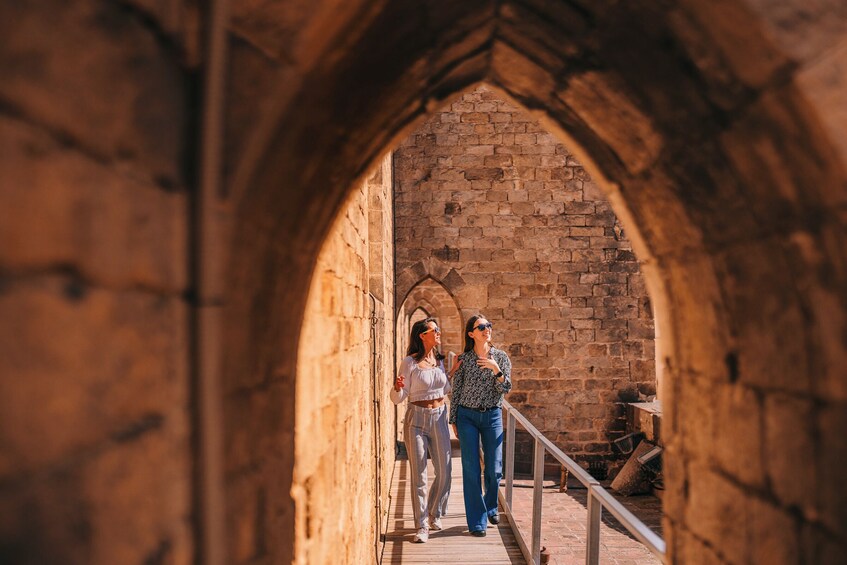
(440, 272)
(431, 296)
(717, 128)
(715, 151)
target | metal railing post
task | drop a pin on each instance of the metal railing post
(510, 455)
(592, 542)
(537, 491)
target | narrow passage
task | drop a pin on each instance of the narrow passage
(452, 545)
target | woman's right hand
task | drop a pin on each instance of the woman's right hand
(399, 382)
(455, 431)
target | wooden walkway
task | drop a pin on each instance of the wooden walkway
(451, 545)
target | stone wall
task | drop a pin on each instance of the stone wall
(383, 364)
(484, 189)
(717, 127)
(344, 450)
(95, 451)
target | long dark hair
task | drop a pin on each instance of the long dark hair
(469, 327)
(416, 347)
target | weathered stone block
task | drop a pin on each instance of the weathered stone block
(123, 100)
(115, 229)
(832, 499)
(774, 534)
(739, 433)
(712, 512)
(616, 117)
(99, 364)
(698, 423)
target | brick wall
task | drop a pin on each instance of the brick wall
(482, 188)
(340, 468)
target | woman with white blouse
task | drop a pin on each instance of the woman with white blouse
(423, 380)
(483, 377)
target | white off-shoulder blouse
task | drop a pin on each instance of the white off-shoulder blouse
(421, 384)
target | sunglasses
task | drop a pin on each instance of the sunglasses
(435, 329)
(483, 327)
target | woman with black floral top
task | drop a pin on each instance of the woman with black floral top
(482, 377)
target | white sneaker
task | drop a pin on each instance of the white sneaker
(422, 536)
(435, 523)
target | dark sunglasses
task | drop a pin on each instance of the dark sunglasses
(483, 327)
(435, 329)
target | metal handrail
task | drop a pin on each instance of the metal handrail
(598, 497)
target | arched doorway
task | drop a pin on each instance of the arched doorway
(713, 154)
(431, 298)
(717, 128)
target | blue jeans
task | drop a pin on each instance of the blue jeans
(472, 426)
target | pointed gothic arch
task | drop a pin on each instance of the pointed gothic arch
(431, 296)
(429, 268)
(715, 153)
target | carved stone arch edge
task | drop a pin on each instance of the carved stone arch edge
(429, 268)
(425, 308)
(431, 296)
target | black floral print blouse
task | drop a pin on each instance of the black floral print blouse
(476, 387)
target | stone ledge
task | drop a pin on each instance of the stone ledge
(645, 417)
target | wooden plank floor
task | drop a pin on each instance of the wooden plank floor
(451, 545)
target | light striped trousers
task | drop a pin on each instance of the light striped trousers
(426, 430)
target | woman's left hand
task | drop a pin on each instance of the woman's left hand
(490, 364)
